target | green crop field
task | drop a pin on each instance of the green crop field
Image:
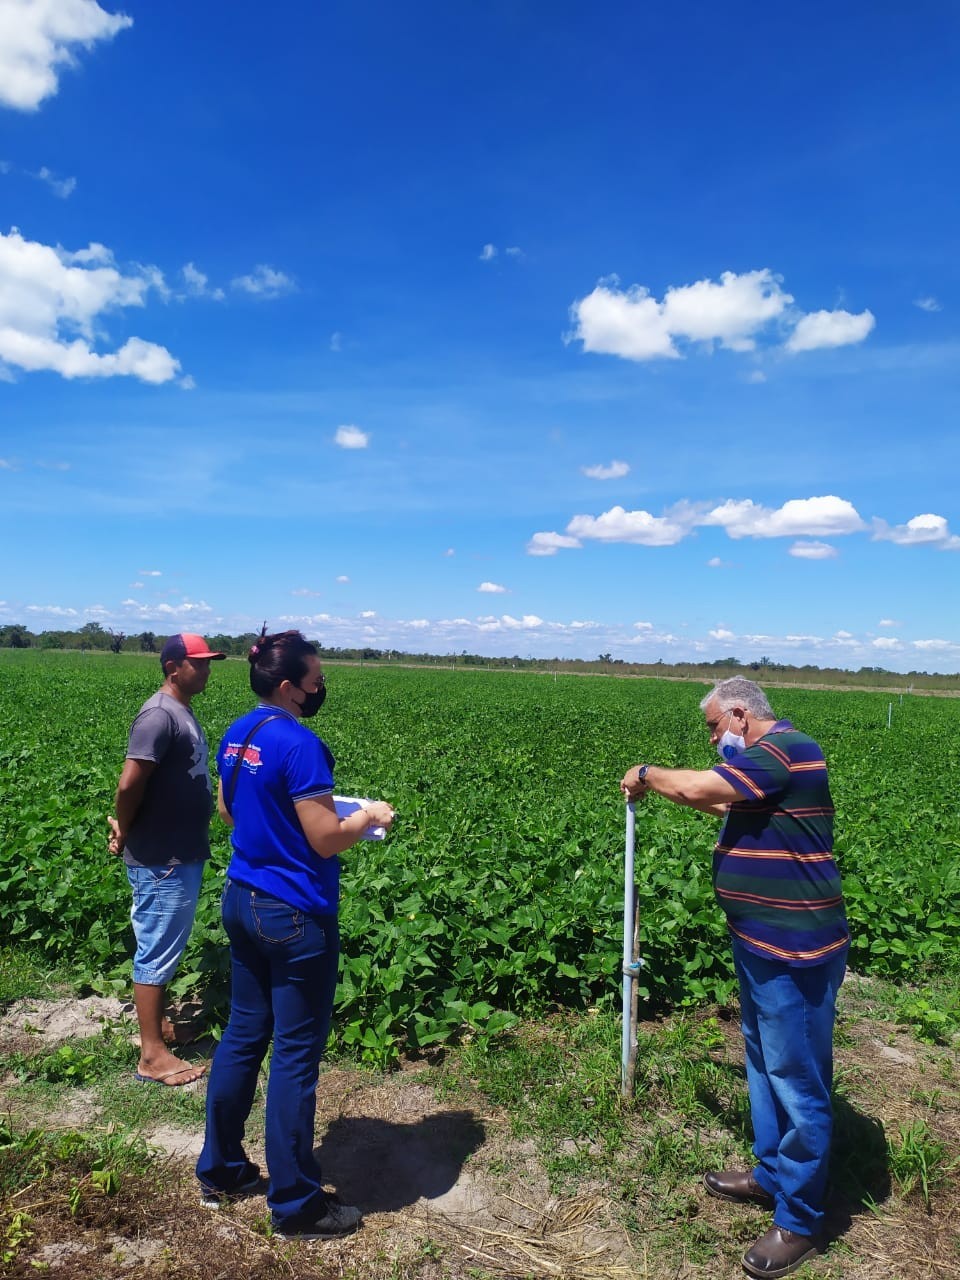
(500, 891)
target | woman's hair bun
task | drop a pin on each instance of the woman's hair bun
(256, 648)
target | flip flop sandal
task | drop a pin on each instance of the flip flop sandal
(167, 1078)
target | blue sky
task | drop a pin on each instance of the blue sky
(507, 327)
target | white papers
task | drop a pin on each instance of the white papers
(346, 805)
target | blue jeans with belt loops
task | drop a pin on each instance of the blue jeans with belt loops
(284, 975)
(787, 1021)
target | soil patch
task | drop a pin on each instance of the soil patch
(29, 1024)
(449, 1192)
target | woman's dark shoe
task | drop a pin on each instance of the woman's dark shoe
(250, 1183)
(334, 1220)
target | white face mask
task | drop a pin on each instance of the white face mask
(730, 744)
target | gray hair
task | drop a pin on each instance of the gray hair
(738, 691)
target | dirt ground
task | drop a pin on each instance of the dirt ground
(448, 1191)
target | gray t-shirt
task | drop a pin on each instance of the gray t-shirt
(172, 823)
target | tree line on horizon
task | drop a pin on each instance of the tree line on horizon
(94, 637)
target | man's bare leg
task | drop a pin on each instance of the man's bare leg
(156, 1060)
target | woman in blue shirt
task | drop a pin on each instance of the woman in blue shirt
(280, 914)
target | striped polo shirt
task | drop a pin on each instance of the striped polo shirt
(773, 868)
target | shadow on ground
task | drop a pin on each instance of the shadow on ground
(382, 1166)
(859, 1167)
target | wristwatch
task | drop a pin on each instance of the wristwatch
(642, 773)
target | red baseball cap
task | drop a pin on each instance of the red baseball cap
(186, 645)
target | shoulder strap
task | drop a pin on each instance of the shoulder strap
(231, 790)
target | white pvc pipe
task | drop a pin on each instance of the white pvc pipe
(629, 973)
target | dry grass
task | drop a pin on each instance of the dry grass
(451, 1192)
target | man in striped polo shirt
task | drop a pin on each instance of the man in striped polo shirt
(775, 877)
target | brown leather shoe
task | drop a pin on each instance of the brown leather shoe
(737, 1185)
(778, 1253)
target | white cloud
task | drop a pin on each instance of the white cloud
(51, 308)
(194, 279)
(368, 613)
(342, 578)
(14, 464)
(55, 610)
(734, 312)
(721, 633)
(136, 586)
(136, 358)
(199, 607)
(627, 324)
(198, 285)
(755, 376)
(514, 251)
(529, 622)
(548, 544)
(336, 341)
(730, 312)
(633, 324)
(150, 573)
(265, 282)
(488, 253)
(612, 472)
(492, 588)
(886, 642)
(304, 591)
(813, 551)
(643, 626)
(924, 530)
(829, 329)
(350, 437)
(888, 622)
(38, 39)
(61, 187)
(644, 529)
(843, 636)
(618, 525)
(936, 646)
(450, 552)
(825, 517)
(808, 520)
(94, 255)
(928, 303)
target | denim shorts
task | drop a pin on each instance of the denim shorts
(164, 905)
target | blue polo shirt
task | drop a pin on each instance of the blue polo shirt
(282, 763)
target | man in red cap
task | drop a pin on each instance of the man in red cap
(161, 828)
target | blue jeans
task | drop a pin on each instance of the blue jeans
(788, 1016)
(284, 975)
(164, 906)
